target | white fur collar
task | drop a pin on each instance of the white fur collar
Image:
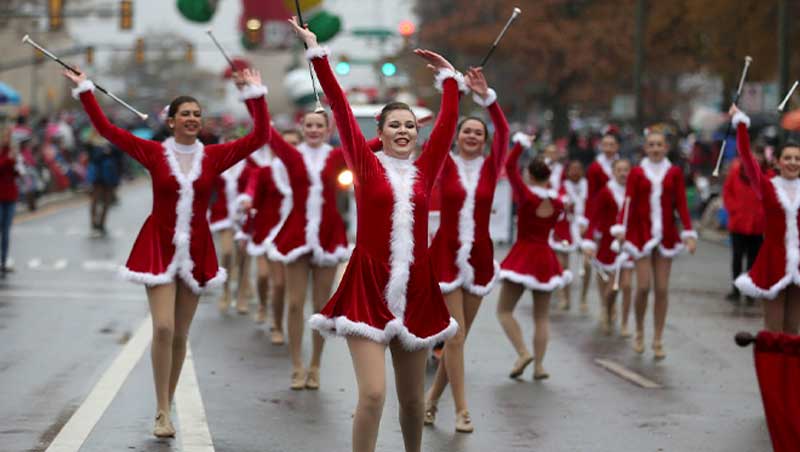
(262, 156)
(469, 170)
(784, 187)
(618, 190)
(315, 158)
(606, 164)
(171, 147)
(655, 172)
(543, 193)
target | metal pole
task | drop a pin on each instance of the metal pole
(638, 62)
(783, 53)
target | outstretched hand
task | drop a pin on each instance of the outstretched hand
(476, 81)
(733, 110)
(76, 78)
(304, 33)
(691, 244)
(251, 77)
(435, 61)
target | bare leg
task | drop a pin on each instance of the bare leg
(105, 203)
(643, 268)
(244, 291)
(262, 287)
(791, 320)
(509, 296)
(541, 307)
(277, 281)
(625, 281)
(94, 200)
(775, 312)
(451, 366)
(661, 268)
(587, 281)
(370, 369)
(608, 298)
(226, 260)
(162, 308)
(185, 307)
(563, 259)
(409, 372)
(321, 292)
(297, 282)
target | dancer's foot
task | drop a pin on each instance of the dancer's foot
(261, 314)
(563, 305)
(163, 427)
(276, 337)
(464, 422)
(224, 302)
(539, 373)
(638, 342)
(312, 378)
(520, 365)
(605, 325)
(624, 331)
(298, 379)
(430, 412)
(242, 305)
(658, 350)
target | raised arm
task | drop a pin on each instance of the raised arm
(749, 164)
(512, 169)
(487, 98)
(132, 145)
(226, 155)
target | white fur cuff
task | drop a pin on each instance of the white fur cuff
(82, 87)
(741, 118)
(253, 92)
(617, 229)
(689, 234)
(588, 245)
(491, 97)
(523, 139)
(242, 198)
(317, 52)
(583, 221)
(445, 74)
(615, 247)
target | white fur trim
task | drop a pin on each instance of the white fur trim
(447, 287)
(582, 221)
(258, 249)
(689, 234)
(342, 326)
(242, 198)
(252, 92)
(618, 192)
(262, 156)
(671, 252)
(556, 282)
(523, 139)
(317, 52)
(482, 291)
(220, 225)
(401, 175)
(275, 255)
(231, 178)
(740, 117)
(543, 193)
(617, 229)
(445, 74)
(606, 165)
(241, 236)
(469, 174)
(82, 87)
(561, 246)
(615, 246)
(655, 173)
(491, 97)
(588, 245)
(791, 242)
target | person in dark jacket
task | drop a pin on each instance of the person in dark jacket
(8, 194)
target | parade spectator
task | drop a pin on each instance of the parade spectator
(8, 193)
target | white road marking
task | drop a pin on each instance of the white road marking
(100, 266)
(627, 374)
(62, 295)
(60, 264)
(80, 425)
(73, 231)
(34, 263)
(194, 433)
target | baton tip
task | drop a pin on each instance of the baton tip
(143, 116)
(748, 59)
(517, 11)
(26, 38)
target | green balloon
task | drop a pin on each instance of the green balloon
(325, 25)
(197, 10)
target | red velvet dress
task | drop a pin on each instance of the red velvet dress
(657, 191)
(389, 289)
(566, 236)
(222, 213)
(597, 176)
(462, 249)
(175, 239)
(608, 203)
(271, 199)
(778, 262)
(531, 262)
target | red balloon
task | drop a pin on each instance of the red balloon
(239, 63)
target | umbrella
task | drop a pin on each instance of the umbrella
(777, 362)
(8, 95)
(143, 133)
(239, 63)
(791, 120)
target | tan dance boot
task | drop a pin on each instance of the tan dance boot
(430, 412)
(276, 336)
(261, 314)
(658, 350)
(624, 331)
(298, 379)
(312, 378)
(520, 365)
(163, 427)
(242, 304)
(638, 342)
(224, 301)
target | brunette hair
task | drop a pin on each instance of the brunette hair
(294, 132)
(788, 144)
(538, 169)
(620, 160)
(473, 118)
(177, 102)
(324, 115)
(390, 107)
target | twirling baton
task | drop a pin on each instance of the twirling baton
(788, 96)
(747, 61)
(27, 40)
(318, 108)
(627, 211)
(511, 19)
(222, 50)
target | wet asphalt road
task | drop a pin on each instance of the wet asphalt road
(65, 318)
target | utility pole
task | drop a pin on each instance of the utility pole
(783, 47)
(638, 62)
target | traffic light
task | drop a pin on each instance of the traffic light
(253, 32)
(89, 55)
(189, 54)
(138, 52)
(406, 28)
(388, 69)
(55, 12)
(126, 14)
(343, 66)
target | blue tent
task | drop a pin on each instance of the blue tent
(8, 95)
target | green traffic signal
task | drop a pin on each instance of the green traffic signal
(388, 69)
(342, 68)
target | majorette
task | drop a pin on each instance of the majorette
(609, 202)
(566, 236)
